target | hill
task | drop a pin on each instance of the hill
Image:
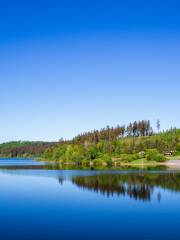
(111, 146)
(24, 148)
(132, 144)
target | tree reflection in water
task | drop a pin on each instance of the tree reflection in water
(137, 186)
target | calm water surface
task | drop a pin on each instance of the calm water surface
(37, 203)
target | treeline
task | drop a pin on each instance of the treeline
(135, 129)
(14, 144)
(24, 149)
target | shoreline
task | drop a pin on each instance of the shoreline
(170, 163)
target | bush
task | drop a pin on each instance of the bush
(85, 163)
(128, 157)
(178, 147)
(98, 162)
(92, 153)
(154, 155)
(109, 163)
(176, 153)
(103, 160)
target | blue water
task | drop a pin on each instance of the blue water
(57, 204)
(19, 162)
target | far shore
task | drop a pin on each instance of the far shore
(169, 163)
(141, 163)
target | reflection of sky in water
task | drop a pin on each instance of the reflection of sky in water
(19, 162)
(49, 204)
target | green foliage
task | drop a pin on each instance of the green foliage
(109, 146)
(15, 144)
(98, 162)
(91, 152)
(128, 157)
(24, 149)
(123, 150)
(154, 155)
(109, 163)
(178, 147)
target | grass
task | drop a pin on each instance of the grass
(173, 158)
(140, 161)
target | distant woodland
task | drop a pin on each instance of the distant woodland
(24, 149)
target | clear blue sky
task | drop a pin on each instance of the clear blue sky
(72, 66)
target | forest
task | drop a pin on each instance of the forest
(24, 149)
(114, 146)
(110, 146)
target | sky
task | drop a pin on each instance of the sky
(71, 66)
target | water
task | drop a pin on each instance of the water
(19, 162)
(36, 203)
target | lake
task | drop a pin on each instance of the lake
(40, 203)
